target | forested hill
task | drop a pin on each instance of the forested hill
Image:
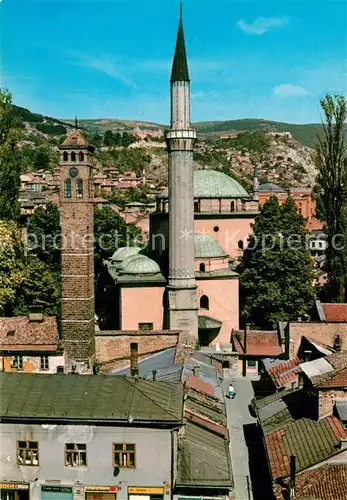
(305, 134)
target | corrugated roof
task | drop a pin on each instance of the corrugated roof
(203, 458)
(311, 442)
(95, 398)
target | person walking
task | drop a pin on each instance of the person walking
(231, 391)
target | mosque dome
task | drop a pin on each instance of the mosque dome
(140, 264)
(123, 252)
(214, 184)
(268, 188)
(205, 247)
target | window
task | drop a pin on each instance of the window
(204, 302)
(75, 455)
(202, 268)
(232, 206)
(124, 455)
(216, 229)
(44, 363)
(81, 156)
(145, 326)
(67, 188)
(196, 206)
(251, 363)
(17, 362)
(65, 156)
(240, 245)
(27, 453)
(73, 156)
(79, 188)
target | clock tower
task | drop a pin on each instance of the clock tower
(77, 253)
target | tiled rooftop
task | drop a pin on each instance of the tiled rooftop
(335, 312)
(20, 333)
(258, 343)
(285, 372)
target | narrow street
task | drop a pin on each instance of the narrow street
(238, 416)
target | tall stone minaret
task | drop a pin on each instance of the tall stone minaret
(180, 139)
(77, 255)
(255, 184)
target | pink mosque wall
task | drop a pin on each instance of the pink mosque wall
(223, 304)
(230, 232)
(142, 305)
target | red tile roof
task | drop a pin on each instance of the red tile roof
(315, 225)
(259, 343)
(285, 372)
(19, 333)
(75, 138)
(335, 312)
(338, 376)
(200, 386)
(206, 423)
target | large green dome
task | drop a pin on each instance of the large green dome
(205, 247)
(140, 264)
(213, 184)
(123, 252)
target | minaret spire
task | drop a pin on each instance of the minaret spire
(180, 65)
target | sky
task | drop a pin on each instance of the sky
(112, 59)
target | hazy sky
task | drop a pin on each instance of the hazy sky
(112, 59)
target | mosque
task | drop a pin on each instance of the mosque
(185, 279)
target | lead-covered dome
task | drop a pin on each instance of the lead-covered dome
(140, 264)
(123, 252)
(205, 247)
(214, 184)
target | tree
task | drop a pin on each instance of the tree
(331, 164)
(44, 235)
(9, 159)
(39, 289)
(11, 265)
(276, 270)
(108, 138)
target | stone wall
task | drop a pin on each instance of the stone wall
(324, 333)
(326, 400)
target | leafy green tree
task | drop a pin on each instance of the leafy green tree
(39, 289)
(277, 271)
(10, 166)
(44, 235)
(331, 163)
(108, 138)
(127, 139)
(117, 139)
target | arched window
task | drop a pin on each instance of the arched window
(73, 156)
(202, 267)
(204, 302)
(79, 188)
(67, 188)
(81, 156)
(65, 156)
(232, 206)
(240, 244)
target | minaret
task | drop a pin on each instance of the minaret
(180, 139)
(77, 255)
(255, 184)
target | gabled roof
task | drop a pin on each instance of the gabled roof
(284, 372)
(335, 312)
(203, 458)
(310, 441)
(330, 371)
(96, 398)
(20, 333)
(258, 343)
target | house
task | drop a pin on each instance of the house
(255, 345)
(30, 344)
(335, 313)
(75, 437)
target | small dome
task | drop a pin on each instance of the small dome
(140, 264)
(206, 247)
(214, 184)
(123, 252)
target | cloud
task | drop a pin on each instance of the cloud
(105, 64)
(261, 25)
(289, 90)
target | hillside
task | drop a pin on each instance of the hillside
(305, 134)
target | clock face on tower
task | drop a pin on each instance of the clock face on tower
(73, 172)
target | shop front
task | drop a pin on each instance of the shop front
(100, 492)
(49, 492)
(14, 491)
(135, 493)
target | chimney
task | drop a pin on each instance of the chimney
(154, 374)
(337, 343)
(292, 475)
(134, 359)
(196, 371)
(247, 328)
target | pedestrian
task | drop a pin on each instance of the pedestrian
(231, 391)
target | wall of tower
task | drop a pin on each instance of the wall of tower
(180, 108)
